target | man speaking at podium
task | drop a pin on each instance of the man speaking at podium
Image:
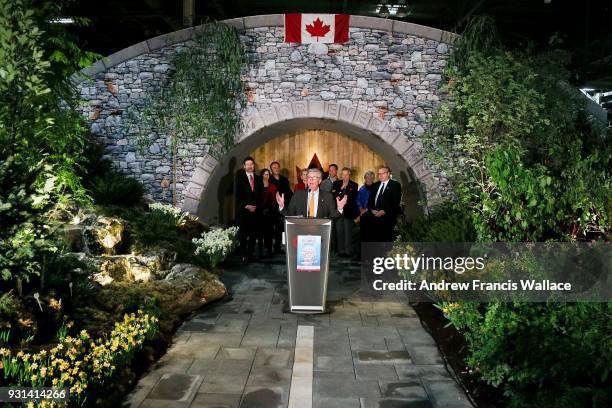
(312, 202)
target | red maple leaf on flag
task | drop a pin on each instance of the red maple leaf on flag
(317, 28)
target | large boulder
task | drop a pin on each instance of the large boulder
(186, 275)
(109, 233)
(121, 268)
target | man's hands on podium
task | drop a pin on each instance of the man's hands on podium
(250, 208)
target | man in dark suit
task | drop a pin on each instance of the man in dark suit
(249, 189)
(345, 187)
(282, 186)
(383, 206)
(312, 202)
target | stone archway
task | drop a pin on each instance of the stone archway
(403, 154)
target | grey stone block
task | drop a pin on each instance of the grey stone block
(259, 397)
(270, 376)
(127, 53)
(373, 23)
(336, 403)
(164, 40)
(403, 389)
(375, 371)
(237, 23)
(269, 20)
(176, 387)
(273, 357)
(422, 354)
(339, 387)
(216, 401)
(447, 394)
(394, 403)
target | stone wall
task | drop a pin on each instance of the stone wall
(389, 69)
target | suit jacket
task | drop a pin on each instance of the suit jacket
(389, 201)
(299, 206)
(244, 196)
(350, 208)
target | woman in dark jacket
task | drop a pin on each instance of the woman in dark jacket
(268, 211)
(344, 225)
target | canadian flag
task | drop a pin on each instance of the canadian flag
(316, 28)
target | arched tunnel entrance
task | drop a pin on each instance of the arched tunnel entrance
(294, 142)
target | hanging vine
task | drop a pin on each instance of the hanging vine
(201, 100)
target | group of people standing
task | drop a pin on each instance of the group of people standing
(262, 200)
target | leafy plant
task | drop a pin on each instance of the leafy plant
(543, 354)
(518, 148)
(447, 222)
(116, 188)
(40, 140)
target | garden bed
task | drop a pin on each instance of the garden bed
(108, 305)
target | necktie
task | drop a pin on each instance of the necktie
(311, 206)
(251, 182)
(380, 192)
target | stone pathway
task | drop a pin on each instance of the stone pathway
(369, 351)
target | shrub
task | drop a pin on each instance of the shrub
(447, 222)
(542, 354)
(115, 188)
(215, 245)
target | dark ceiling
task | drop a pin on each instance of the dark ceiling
(584, 26)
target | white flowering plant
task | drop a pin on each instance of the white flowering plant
(168, 211)
(215, 245)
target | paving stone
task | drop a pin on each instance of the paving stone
(264, 397)
(194, 349)
(394, 403)
(425, 354)
(229, 377)
(176, 387)
(425, 372)
(270, 376)
(336, 403)
(261, 336)
(333, 363)
(403, 389)
(173, 364)
(287, 335)
(216, 401)
(375, 371)
(314, 320)
(382, 357)
(236, 353)
(301, 394)
(153, 403)
(229, 326)
(330, 348)
(447, 394)
(339, 387)
(197, 326)
(203, 366)
(273, 357)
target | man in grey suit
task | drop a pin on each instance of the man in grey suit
(312, 202)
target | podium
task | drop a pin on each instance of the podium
(307, 253)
